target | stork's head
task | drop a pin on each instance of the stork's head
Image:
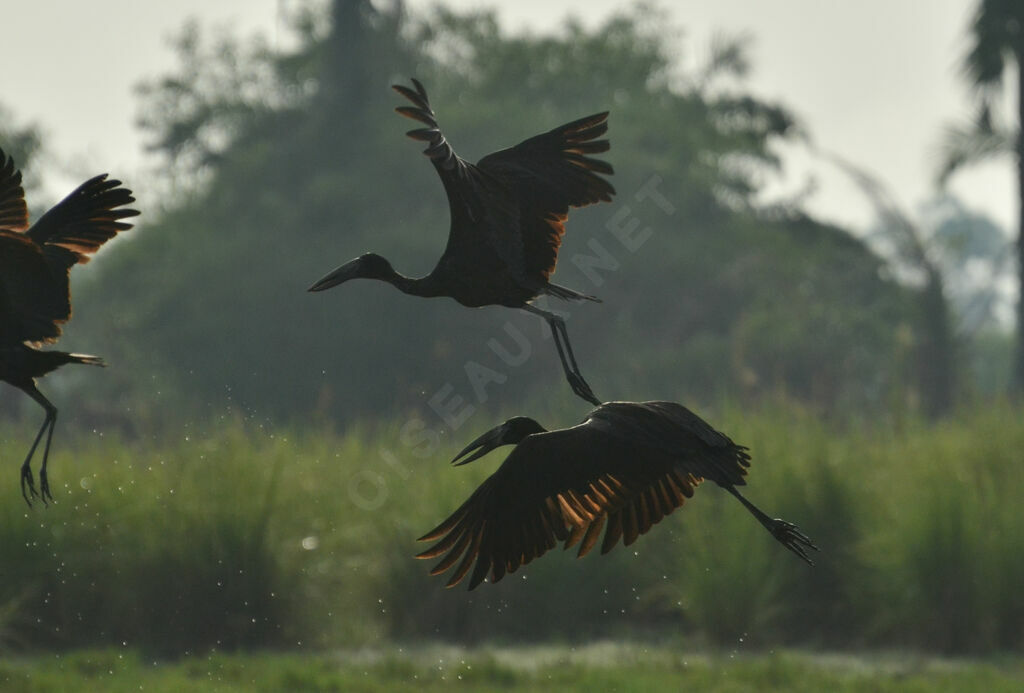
(368, 266)
(509, 433)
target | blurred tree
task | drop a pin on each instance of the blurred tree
(291, 163)
(23, 143)
(997, 42)
(911, 252)
(974, 255)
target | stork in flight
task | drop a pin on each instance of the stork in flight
(508, 214)
(624, 468)
(35, 295)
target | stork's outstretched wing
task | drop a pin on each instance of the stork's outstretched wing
(35, 294)
(565, 485)
(551, 173)
(508, 211)
(83, 221)
(483, 237)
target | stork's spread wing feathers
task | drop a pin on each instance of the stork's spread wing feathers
(568, 486)
(35, 294)
(13, 211)
(484, 217)
(551, 173)
(440, 152)
(514, 203)
(553, 170)
(84, 220)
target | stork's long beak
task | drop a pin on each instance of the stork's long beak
(487, 442)
(342, 274)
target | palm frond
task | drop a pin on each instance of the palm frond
(966, 144)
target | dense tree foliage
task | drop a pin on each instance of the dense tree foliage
(287, 164)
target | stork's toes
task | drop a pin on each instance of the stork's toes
(793, 539)
(28, 485)
(44, 487)
(580, 387)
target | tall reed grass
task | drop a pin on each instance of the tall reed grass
(244, 538)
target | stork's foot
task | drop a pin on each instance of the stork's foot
(580, 387)
(28, 485)
(792, 538)
(44, 487)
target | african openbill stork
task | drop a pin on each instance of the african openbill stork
(508, 214)
(35, 295)
(626, 466)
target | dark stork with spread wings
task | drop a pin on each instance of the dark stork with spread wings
(35, 296)
(628, 465)
(508, 214)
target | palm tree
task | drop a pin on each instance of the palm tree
(997, 41)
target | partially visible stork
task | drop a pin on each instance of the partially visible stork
(626, 466)
(35, 296)
(508, 214)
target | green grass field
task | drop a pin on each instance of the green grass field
(241, 539)
(597, 667)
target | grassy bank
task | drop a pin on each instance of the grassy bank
(603, 666)
(244, 538)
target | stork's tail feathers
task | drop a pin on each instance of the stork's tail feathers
(568, 294)
(438, 149)
(87, 360)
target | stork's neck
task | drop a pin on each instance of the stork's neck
(415, 286)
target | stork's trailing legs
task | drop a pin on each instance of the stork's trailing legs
(572, 371)
(786, 533)
(575, 378)
(28, 486)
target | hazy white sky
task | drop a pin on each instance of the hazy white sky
(874, 81)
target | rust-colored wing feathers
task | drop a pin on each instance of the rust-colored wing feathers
(543, 247)
(620, 472)
(551, 173)
(630, 512)
(501, 531)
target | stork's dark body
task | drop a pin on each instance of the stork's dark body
(485, 282)
(35, 295)
(622, 470)
(507, 220)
